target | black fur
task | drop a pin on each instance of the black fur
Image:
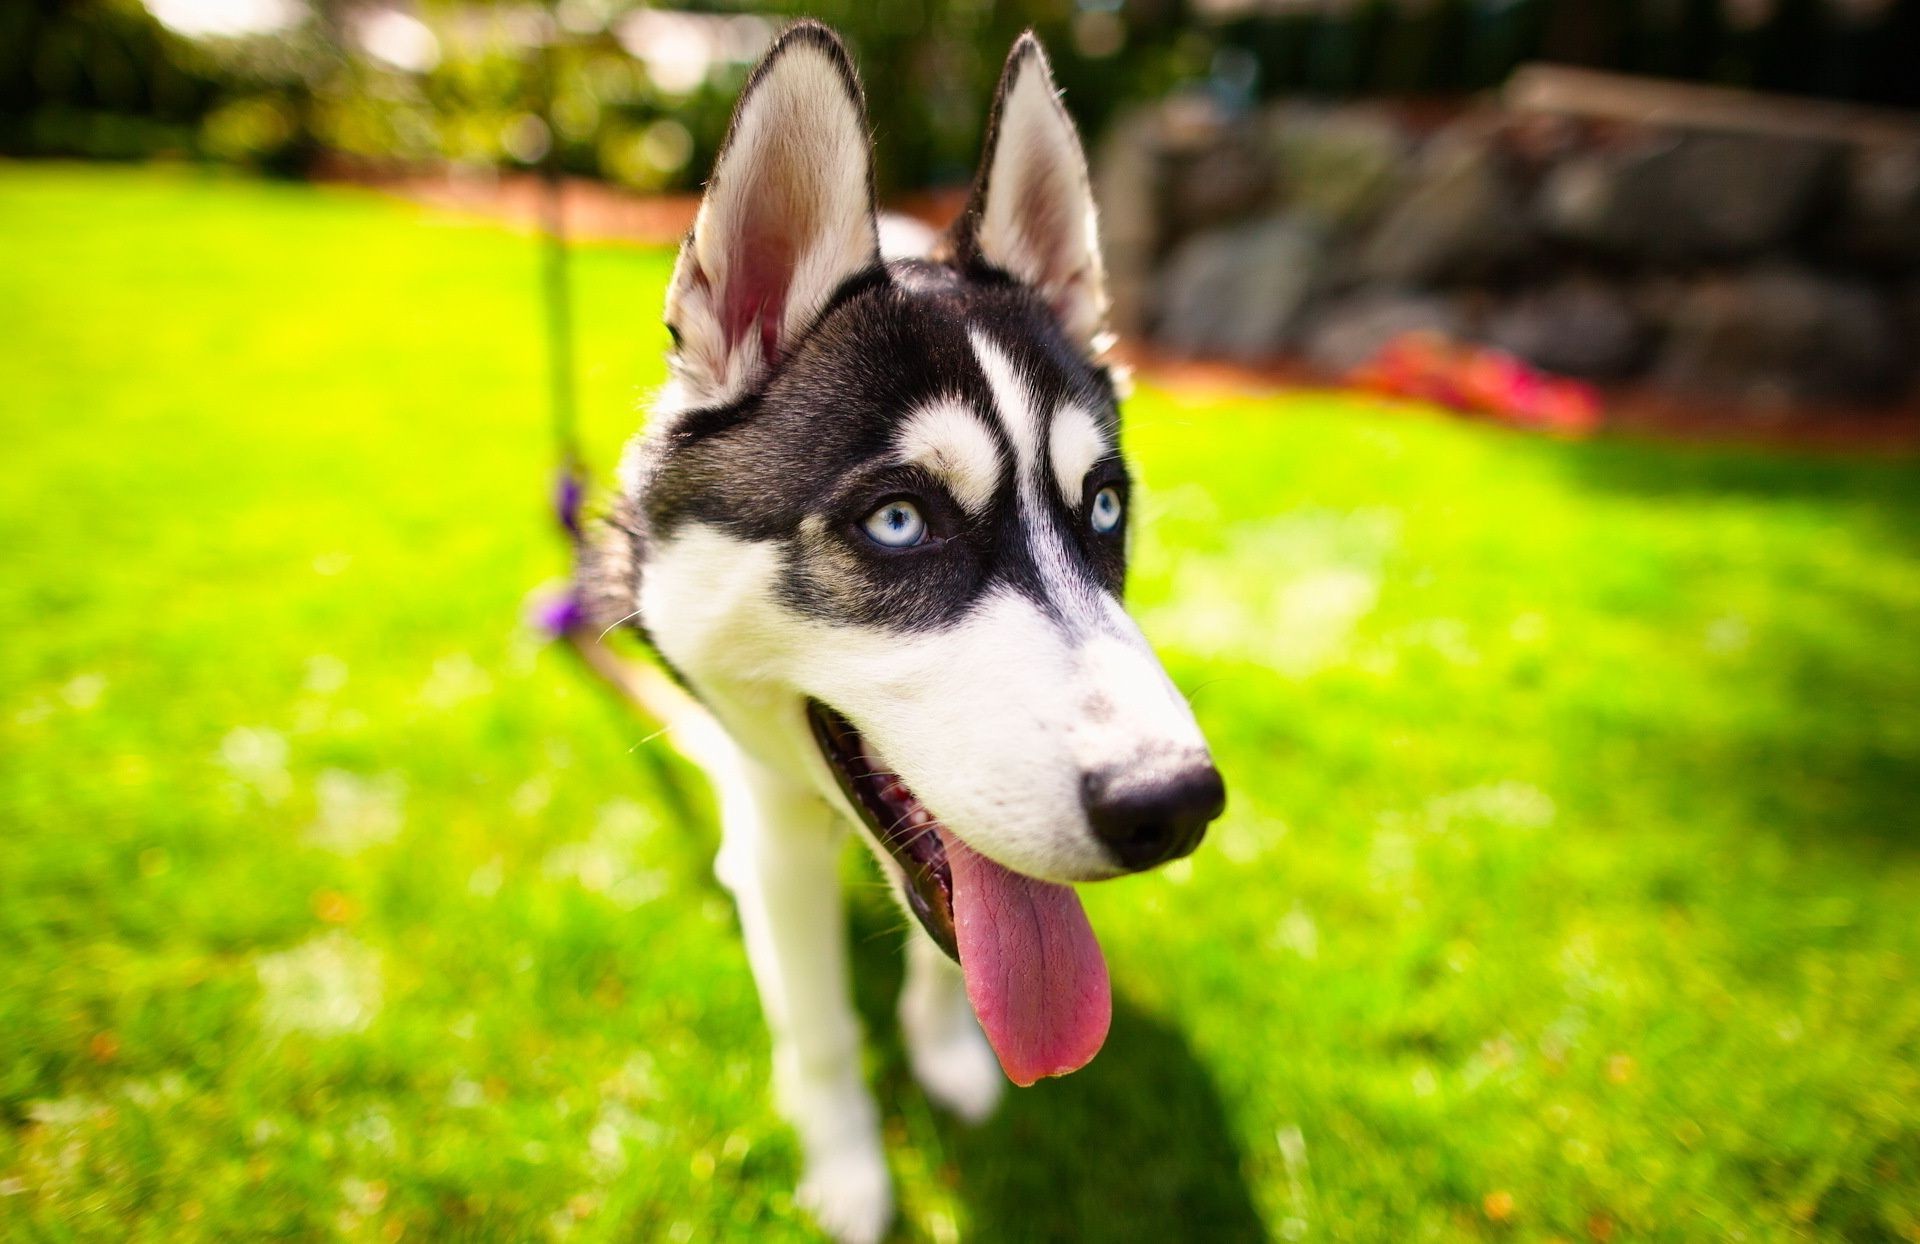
(812, 443)
(802, 458)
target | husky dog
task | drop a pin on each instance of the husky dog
(877, 528)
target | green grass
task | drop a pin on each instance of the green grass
(1570, 887)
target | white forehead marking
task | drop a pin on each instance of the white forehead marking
(1075, 446)
(1012, 401)
(1073, 598)
(947, 439)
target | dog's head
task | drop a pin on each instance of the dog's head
(882, 521)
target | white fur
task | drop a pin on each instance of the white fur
(1038, 222)
(993, 723)
(947, 440)
(795, 173)
(1019, 412)
(1012, 402)
(778, 855)
(1074, 446)
(903, 237)
(1147, 720)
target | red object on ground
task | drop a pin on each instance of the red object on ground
(1477, 380)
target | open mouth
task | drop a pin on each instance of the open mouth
(898, 821)
(1034, 973)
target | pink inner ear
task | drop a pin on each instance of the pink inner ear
(759, 274)
(1042, 210)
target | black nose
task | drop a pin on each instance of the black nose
(1149, 815)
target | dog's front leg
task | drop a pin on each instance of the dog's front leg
(779, 856)
(949, 1053)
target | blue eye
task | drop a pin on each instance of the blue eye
(896, 525)
(1104, 515)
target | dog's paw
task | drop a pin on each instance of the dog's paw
(845, 1184)
(849, 1194)
(956, 1067)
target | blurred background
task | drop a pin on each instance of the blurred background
(1712, 200)
(1529, 394)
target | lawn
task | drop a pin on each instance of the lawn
(1569, 887)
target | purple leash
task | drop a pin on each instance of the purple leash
(564, 611)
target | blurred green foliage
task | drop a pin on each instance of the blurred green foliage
(1567, 887)
(469, 83)
(103, 78)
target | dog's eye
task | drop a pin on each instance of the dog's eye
(896, 525)
(1104, 515)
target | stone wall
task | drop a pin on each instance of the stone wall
(1768, 253)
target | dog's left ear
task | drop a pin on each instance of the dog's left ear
(787, 218)
(1031, 213)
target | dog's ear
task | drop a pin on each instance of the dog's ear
(1031, 213)
(787, 218)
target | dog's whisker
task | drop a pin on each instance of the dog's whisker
(1190, 696)
(613, 626)
(903, 819)
(657, 734)
(891, 930)
(918, 835)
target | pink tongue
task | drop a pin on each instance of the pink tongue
(1035, 974)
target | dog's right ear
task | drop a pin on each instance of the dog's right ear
(1031, 211)
(787, 218)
